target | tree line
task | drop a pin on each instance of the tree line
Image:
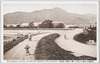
(45, 24)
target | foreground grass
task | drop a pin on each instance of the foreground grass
(47, 49)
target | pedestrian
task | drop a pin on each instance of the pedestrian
(27, 49)
(65, 36)
(30, 37)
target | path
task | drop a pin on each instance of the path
(18, 52)
(74, 46)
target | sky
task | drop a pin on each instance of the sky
(79, 8)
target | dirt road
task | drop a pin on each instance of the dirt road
(18, 52)
(74, 46)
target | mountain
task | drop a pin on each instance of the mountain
(55, 14)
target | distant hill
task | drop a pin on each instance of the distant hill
(55, 14)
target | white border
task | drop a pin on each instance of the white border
(1, 32)
(98, 19)
(51, 2)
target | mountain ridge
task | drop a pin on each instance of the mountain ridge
(55, 14)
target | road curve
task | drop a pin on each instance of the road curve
(78, 48)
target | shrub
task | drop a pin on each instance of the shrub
(85, 37)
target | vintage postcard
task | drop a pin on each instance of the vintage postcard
(50, 31)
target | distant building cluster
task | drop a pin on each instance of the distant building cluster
(71, 26)
(45, 24)
(35, 24)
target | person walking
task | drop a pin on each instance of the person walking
(65, 36)
(27, 49)
(30, 37)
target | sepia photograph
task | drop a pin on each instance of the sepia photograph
(50, 31)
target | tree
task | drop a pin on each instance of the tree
(31, 25)
(10, 26)
(90, 26)
(18, 26)
(4, 26)
(51, 24)
(46, 24)
(60, 25)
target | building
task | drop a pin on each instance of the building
(27, 24)
(91, 42)
(24, 25)
(37, 23)
(13, 25)
(57, 23)
(71, 26)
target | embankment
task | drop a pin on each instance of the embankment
(10, 44)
